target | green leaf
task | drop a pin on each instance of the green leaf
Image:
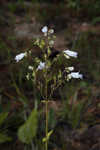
(48, 136)
(3, 116)
(42, 44)
(4, 138)
(28, 131)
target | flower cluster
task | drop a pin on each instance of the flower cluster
(67, 54)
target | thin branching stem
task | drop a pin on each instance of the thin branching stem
(46, 125)
(46, 102)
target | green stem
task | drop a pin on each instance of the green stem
(46, 107)
(46, 146)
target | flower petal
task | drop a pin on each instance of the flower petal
(45, 29)
(41, 66)
(70, 68)
(75, 75)
(71, 53)
(20, 56)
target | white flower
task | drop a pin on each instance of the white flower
(30, 68)
(41, 66)
(70, 68)
(45, 29)
(51, 42)
(71, 53)
(20, 56)
(75, 75)
(51, 31)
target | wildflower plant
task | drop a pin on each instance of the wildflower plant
(48, 74)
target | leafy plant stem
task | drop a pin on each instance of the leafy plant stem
(46, 106)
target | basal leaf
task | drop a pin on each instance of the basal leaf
(28, 131)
